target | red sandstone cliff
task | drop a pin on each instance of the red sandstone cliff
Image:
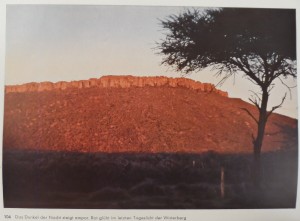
(154, 114)
(117, 82)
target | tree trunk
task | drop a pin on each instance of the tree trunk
(257, 144)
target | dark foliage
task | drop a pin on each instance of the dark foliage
(250, 40)
(34, 179)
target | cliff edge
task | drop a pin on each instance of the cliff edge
(116, 82)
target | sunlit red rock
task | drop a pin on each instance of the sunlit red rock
(135, 114)
(116, 82)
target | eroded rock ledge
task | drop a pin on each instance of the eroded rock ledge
(116, 82)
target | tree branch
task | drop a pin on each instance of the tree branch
(277, 106)
(247, 72)
(250, 114)
(256, 95)
(288, 87)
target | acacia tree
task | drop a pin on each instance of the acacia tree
(259, 44)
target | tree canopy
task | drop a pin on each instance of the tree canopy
(259, 42)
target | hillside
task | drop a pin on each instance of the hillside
(121, 114)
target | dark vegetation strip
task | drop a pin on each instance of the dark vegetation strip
(40, 179)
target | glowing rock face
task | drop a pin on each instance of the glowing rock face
(117, 82)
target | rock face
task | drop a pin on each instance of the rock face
(117, 82)
(124, 115)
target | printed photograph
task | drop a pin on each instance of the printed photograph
(150, 107)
